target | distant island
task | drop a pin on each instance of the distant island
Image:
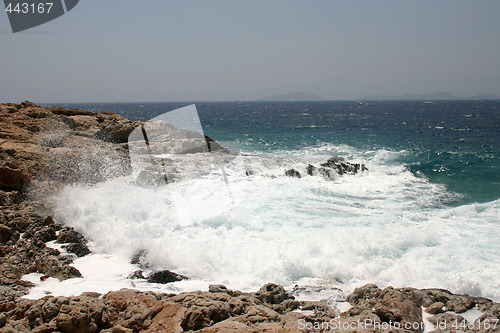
(438, 95)
(292, 97)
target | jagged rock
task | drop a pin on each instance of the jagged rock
(293, 173)
(165, 276)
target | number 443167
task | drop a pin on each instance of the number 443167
(29, 8)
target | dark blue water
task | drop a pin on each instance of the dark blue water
(455, 143)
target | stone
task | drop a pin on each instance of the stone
(13, 179)
(310, 169)
(435, 308)
(5, 234)
(79, 249)
(293, 173)
(272, 293)
(165, 276)
(70, 236)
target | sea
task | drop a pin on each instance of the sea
(426, 213)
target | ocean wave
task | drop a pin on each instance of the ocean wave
(385, 225)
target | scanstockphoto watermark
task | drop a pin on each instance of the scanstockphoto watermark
(27, 14)
(368, 324)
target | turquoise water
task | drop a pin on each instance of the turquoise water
(454, 143)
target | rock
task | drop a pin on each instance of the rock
(3, 319)
(165, 276)
(13, 179)
(70, 236)
(310, 169)
(220, 288)
(460, 304)
(137, 275)
(5, 234)
(116, 130)
(435, 308)
(80, 250)
(293, 173)
(363, 293)
(117, 329)
(338, 164)
(273, 294)
(140, 259)
(448, 321)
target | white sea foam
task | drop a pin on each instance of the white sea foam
(385, 226)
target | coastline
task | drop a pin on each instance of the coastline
(45, 148)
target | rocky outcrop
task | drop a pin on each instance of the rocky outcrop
(42, 149)
(271, 309)
(330, 169)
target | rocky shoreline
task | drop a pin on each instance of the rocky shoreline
(44, 148)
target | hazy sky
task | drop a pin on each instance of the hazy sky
(158, 50)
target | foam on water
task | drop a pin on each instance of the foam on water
(383, 226)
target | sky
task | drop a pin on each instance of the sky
(159, 50)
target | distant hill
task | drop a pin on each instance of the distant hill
(439, 95)
(294, 96)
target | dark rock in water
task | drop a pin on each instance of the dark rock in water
(165, 276)
(70, 236)
(293, 173)
(338, 164)
(13, 179)
(310, 169)
(138, 274)
(325, 173)
(79, 249)
(140, 259)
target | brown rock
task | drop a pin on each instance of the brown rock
(273, 294)
(5, 234)
(13, 179)
(435, 308)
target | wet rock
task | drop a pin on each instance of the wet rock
(164, 277)
(137, 275)
(310, 169)
(80, 250)
(293, 173)
(70, 236)
(140, 259)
